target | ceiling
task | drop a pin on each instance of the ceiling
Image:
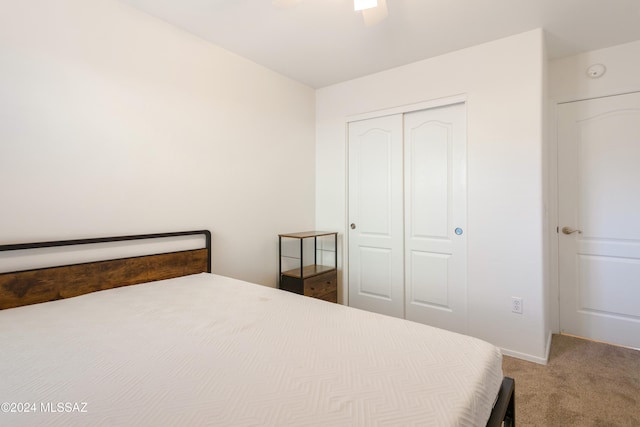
(322, 42)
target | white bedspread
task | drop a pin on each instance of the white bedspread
(210, 350)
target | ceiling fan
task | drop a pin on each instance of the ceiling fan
(373, 11)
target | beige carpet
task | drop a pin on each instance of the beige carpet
(585, 384)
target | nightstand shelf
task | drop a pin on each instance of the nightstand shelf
(311, 278)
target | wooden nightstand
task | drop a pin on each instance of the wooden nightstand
(312, 277)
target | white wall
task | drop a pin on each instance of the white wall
(114, 122)
(503, 84)
(569, 82)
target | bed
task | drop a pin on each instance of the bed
(80, 346)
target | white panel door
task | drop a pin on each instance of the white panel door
(375, 215)
(599, 215)
(435, 207)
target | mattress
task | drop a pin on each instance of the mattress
(210, 350)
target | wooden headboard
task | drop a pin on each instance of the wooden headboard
(18, 288)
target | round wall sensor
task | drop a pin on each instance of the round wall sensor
(596, 70)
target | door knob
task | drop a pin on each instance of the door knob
(353, 226)
(569, 230)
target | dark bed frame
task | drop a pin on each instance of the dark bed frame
(19, 288)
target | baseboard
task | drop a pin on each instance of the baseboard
(529, 357)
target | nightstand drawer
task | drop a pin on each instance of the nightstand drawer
(330, 297)
(320, 285)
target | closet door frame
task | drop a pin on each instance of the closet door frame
(425, 105)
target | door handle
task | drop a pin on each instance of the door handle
(569, 230)
(353, 226)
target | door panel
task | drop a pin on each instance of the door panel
(607, 158)
(375, 270)
(376, 276)
(621, 273)
(599, 188)
(374, 183)
(431, 268)
(429, 162)
(435, 182)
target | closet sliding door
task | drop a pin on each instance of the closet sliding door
(376, 260)
(435, 207)
(407, 212)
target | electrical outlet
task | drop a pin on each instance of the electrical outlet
(516, 305)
